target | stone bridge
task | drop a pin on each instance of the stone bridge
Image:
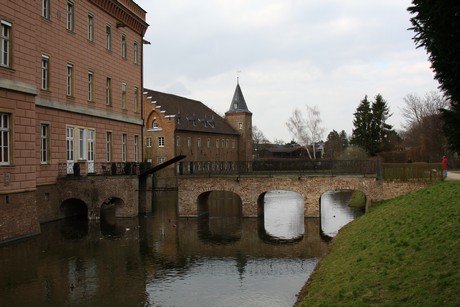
(252, 189)
(119, 193)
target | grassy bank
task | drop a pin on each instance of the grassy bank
(405, 251)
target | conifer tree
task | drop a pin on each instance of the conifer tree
(362, 123)
(436, 25)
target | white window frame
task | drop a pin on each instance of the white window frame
(136, 99)
(69, 77)
(108, 91)
(161, 141)
(148, 142)
(124, 147)
(44, 143)
(123, 46)
(91, 27)
(189, 142)
(70, 132)
(5, 138)
(123, 95)
(198, 142)
(5, 44)
(209, 142)
(136, 53)
(108, 37)
(136, 148)
(46, 9)
(81, 144)
(90, 86)
(45, 72)
(70, 15)
(108, 146)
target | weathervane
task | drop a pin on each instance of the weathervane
(238, 76)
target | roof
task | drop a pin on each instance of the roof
(190, 115)
(238, 104)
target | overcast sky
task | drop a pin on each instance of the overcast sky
(290, 53)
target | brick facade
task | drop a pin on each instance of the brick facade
(57, 82)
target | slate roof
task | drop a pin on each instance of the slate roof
(191, 115)
(238, 104)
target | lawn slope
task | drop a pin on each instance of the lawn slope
(404, 251)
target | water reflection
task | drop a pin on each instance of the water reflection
(335, 212)
(157, 260)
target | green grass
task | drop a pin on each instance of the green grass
(404, 252)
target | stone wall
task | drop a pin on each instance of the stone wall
(19, 216)
(252, 189)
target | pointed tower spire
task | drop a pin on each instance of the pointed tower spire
(238, 103)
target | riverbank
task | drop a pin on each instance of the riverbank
(405, 251)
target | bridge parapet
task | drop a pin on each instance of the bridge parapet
(250, 188)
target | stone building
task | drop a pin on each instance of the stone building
(70, 91)
(177, 125)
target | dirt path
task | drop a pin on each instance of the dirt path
(453, 176)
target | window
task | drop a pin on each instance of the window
(70, 15)
(178, 141)
(136, 99)
(161, 141)
(136, 53)
(149, 142)
(90, 86)
(108, 92)
(46, 9)
(233, 144)
(90, 27)
(136, 148)
(69, 143)
(108, 146)
(209, 143)
(227, 142)
(81, 144)
(189, 142)
(90, 146)
(198, 142)
(45, 72)
(123, 46)
(69, 80)
(240, 125)
(155, 124)
(217, 143)
(124, 148)
(44, 143)
(108, 37)
(5, 40)
(123, 95)
(4, 138)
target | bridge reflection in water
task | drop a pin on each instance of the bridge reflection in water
(160, 260)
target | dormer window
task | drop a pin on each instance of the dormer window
(235, 106)
(155, 124)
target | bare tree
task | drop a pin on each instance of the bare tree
(307, 131)
(423, 133)
(417, 108)
(257, 138)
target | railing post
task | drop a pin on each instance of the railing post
(379, 168)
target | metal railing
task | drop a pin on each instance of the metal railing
(279, 167)
(101, 168)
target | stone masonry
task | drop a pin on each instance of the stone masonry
(252, 189)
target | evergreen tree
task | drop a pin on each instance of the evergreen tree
(371, 130)
(437, 24)
(362, 123)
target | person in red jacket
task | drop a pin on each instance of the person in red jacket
(445, 166)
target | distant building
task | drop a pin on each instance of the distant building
(177, 125)
(70, 91)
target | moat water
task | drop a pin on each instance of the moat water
(160, 260)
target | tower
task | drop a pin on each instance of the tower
(240, 118)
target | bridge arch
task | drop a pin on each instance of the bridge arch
(73, 207)
(219, 216)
